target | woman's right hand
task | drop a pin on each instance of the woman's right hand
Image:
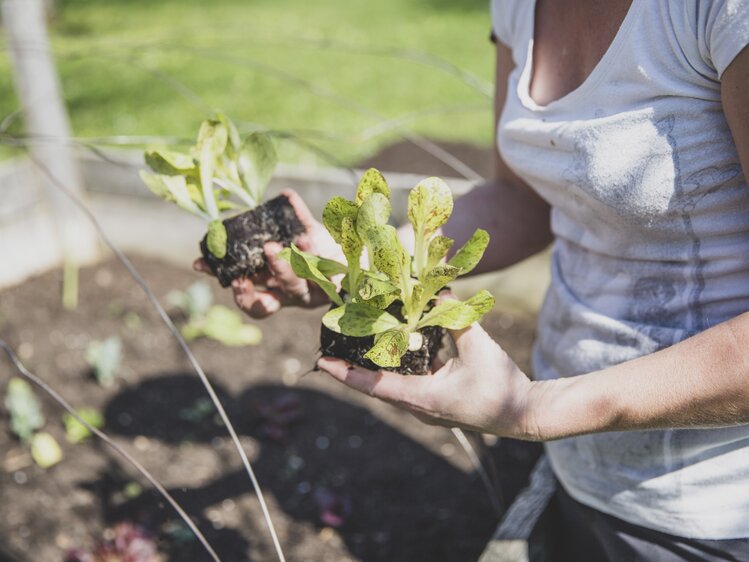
(277, 285)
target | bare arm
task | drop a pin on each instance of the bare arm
(700, 382)
(516, 218)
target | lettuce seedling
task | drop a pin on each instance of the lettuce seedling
(24, 409)
(105, 358)
(202, 180)
(26, 418)
(363, 308)
(223, 179)
(213, 321)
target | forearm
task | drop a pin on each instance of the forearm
(700, 382)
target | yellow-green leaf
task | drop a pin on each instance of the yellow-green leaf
(374, 212)
(333, 214)
(371, 182)
(257, 162)
(170, 163)
(389, 347)
(439, 276)
(359, 320)
(430, 204)
(45, 450)
(371, 288)
(388, 254)
(328, 268)
(75, 431)
(471, 252)
(216, 239)
(305, 266)
(438, 248)
(456, 315)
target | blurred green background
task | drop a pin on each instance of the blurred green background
(334, 76)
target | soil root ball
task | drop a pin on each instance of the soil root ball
(274, 220)
(353, 349)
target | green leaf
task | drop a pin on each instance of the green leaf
(234, 140)
(377, 292)
(351, 244)
(45, 451)
(430, 204)
(75, 431)
(456, 315)
(212, 138)
(359, 319)
(438, 248)
(371, 182)
(170, 163)
(173, 189)
(388, 254)
(226, 326)
(24, 409)
(105, 359)
(333, 214)
(305, 266)
(439, 276)
(226, 205)
(471, 252)
(374, 212)
(329, 268)
(216, 239)
(257, 162)
(389, 347)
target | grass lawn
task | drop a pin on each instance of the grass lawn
(338, 74)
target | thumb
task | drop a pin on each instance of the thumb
(288, 282)
(471, 338)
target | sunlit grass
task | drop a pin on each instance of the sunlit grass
(154, 68)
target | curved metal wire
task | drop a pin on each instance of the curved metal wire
(117, 448)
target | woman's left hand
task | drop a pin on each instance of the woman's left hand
(481, 389)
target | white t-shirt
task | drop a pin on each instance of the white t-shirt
(650, 212)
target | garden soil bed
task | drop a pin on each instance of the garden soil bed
(408, 492)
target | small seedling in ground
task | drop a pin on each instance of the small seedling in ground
(45, 450)
(386, 314)
(24, 409)
(203, 180)
(26, 418)
(215, 322)
(75, 431)
(105, 358)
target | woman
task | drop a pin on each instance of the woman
(623, 138)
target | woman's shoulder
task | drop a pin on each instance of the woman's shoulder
(710, 33)
(512, 20)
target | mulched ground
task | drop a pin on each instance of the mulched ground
(411, 490)
(407, 490)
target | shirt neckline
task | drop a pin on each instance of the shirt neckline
(599, 72)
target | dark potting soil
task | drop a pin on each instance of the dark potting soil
(407, 490)
(274, 220)
(353, 349)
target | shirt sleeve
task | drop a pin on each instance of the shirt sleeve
(723, 31)
(505, 20)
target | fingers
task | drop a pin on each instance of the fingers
(471, 339)
(201, 266)
(258, 304)
(284, 277)
(300, 208)
(381, 384)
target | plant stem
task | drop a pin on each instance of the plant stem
(69, 283)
